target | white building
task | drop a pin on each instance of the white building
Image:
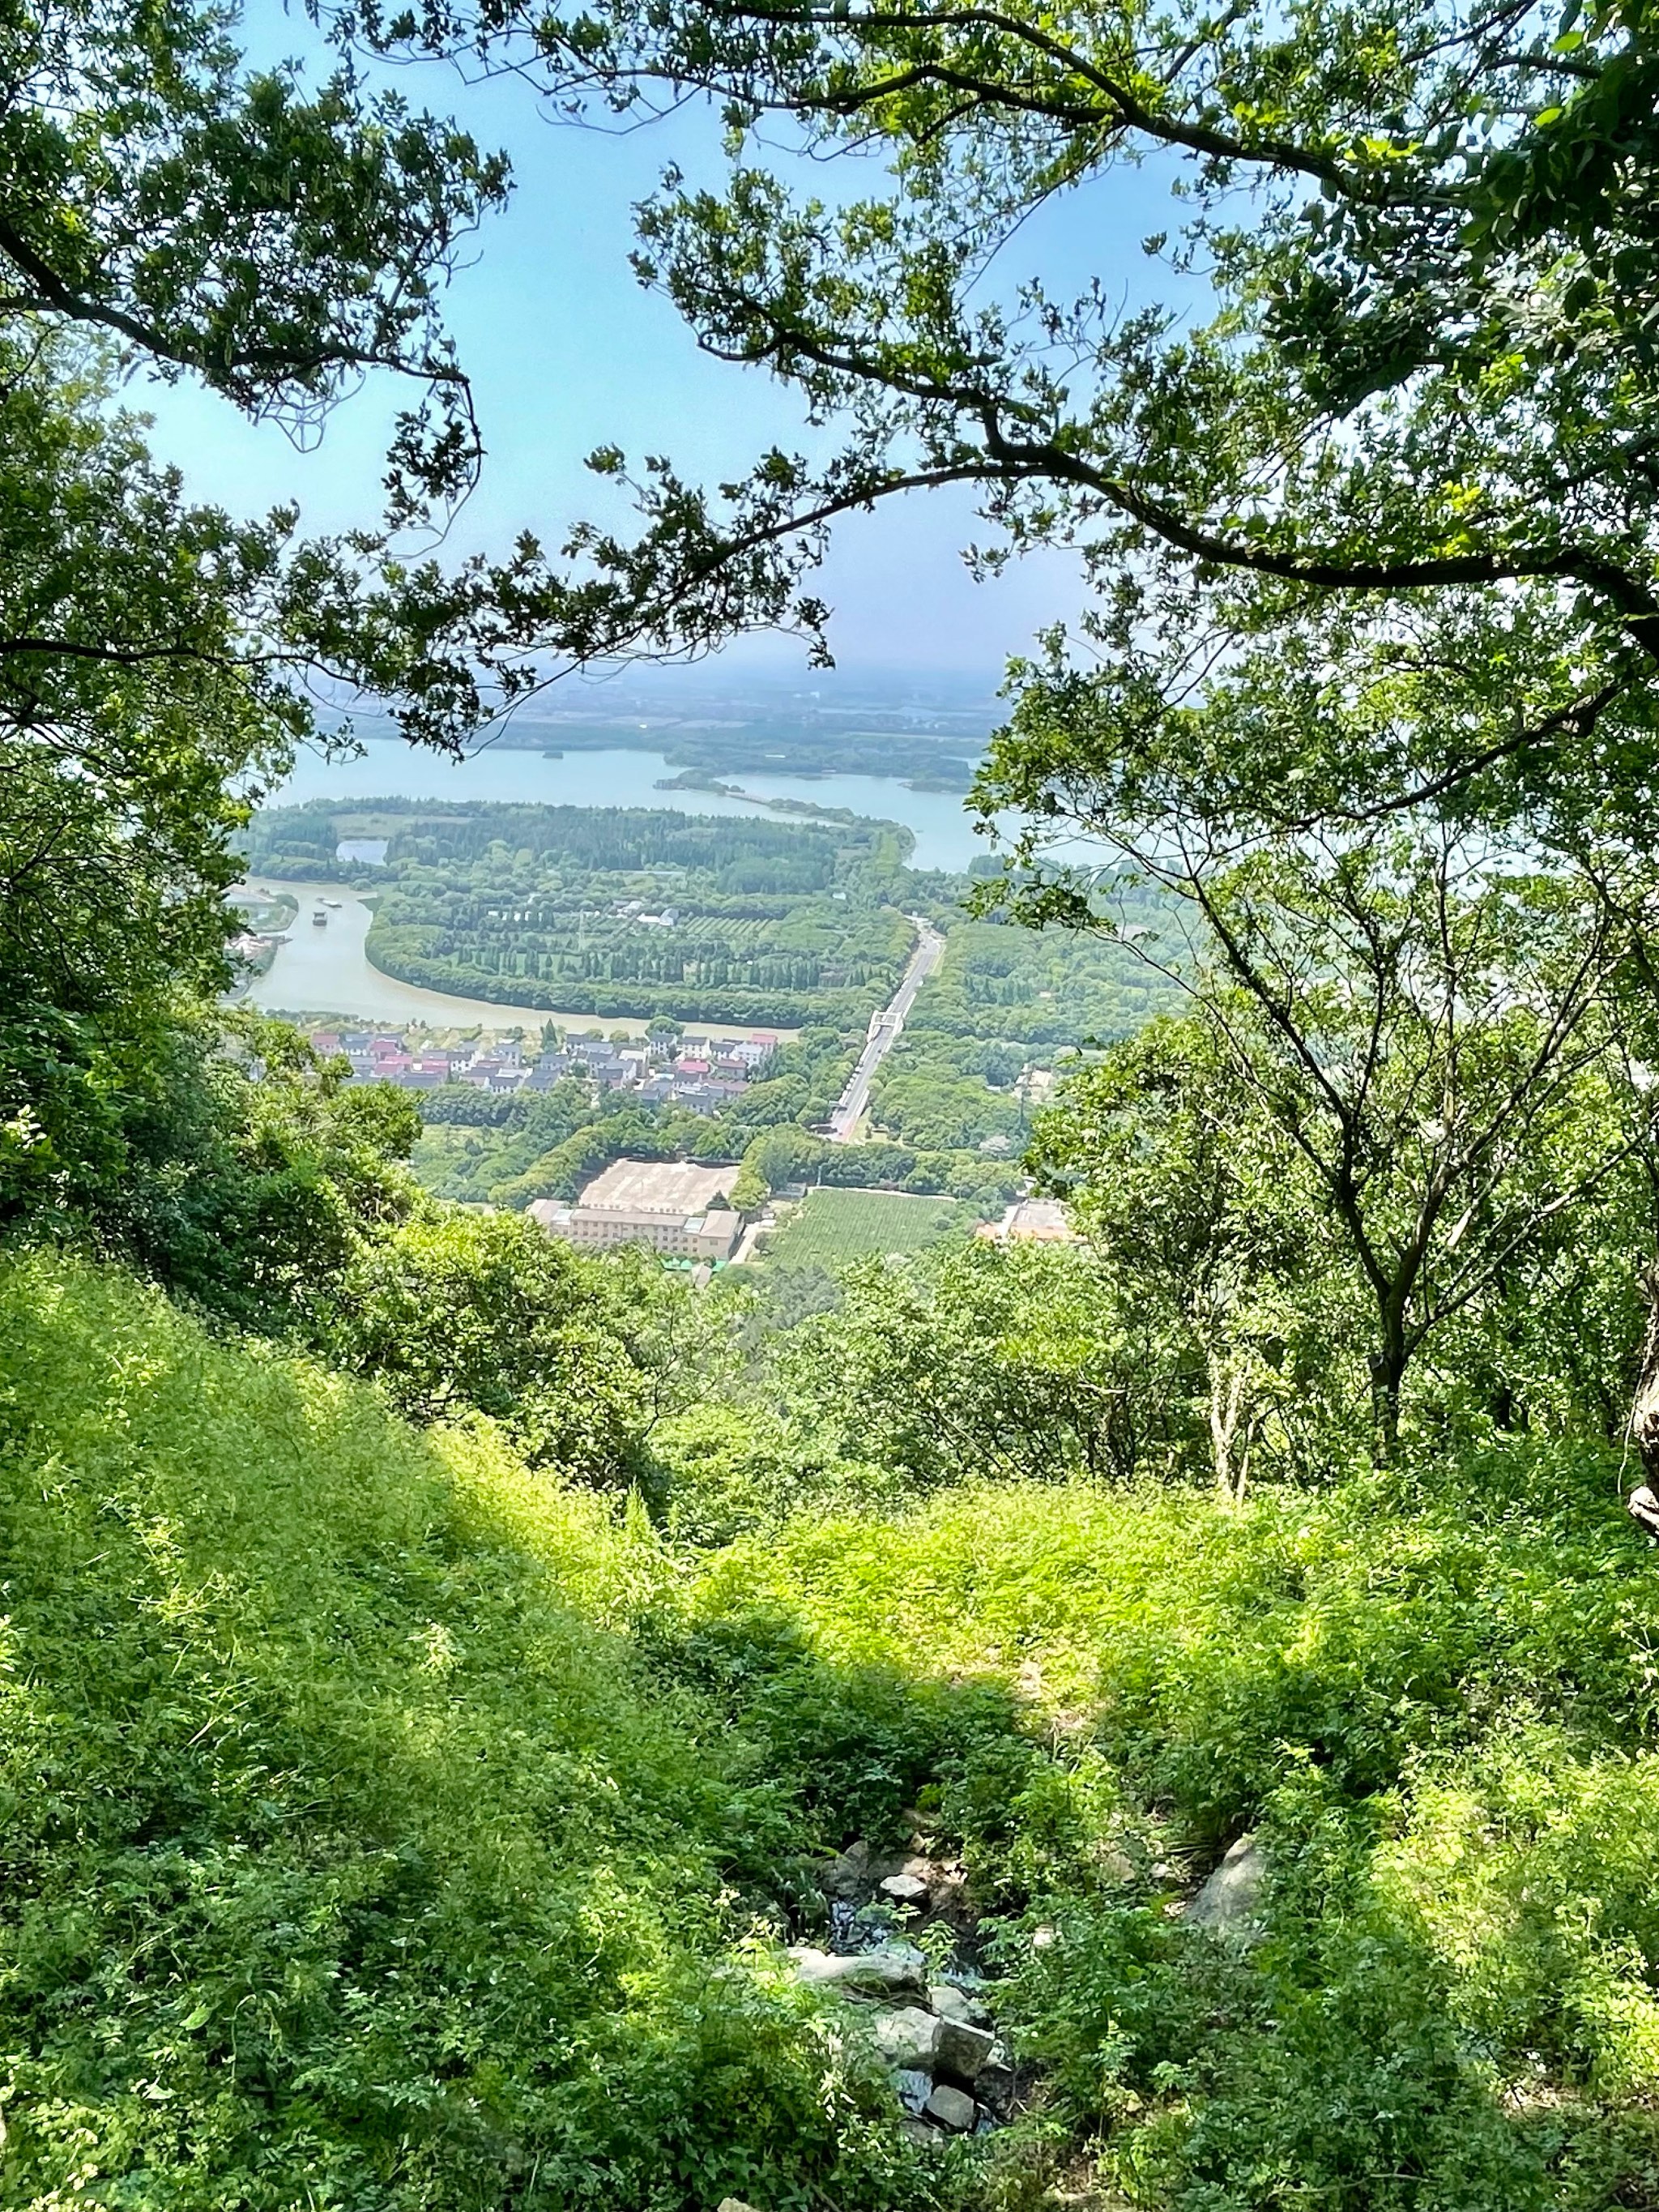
(669, 1204)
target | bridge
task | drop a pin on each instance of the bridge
(884, 1029)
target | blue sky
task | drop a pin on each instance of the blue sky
(567, 353)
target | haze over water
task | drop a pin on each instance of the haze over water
(391, 769)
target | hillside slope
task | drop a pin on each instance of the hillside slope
(382, 1827)
(348, 1856)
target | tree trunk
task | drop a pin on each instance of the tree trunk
(1644, 1501)
(1387, 1372)
(1644, 1409)
(1226, 1406)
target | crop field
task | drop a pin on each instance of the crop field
(829, 1227)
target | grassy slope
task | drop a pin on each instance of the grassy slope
(349, 1855)
(380, 1828)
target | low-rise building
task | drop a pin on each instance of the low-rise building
(753, 1052)
(675, 1207)
(1031, 1221)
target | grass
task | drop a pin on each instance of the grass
(830, 1227)
(353, 1854)
(1436, 1701)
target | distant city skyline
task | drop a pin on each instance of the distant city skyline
(567, 353)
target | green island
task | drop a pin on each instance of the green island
(913, 1542)
(797, 745)
(607, 910)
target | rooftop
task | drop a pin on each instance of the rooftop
(659, 1187)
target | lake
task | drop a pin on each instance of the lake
(390, 770)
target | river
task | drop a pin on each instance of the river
(390, 770)
(326, 971)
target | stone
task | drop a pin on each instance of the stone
(906, 2039)
(734, 2204)
(961, 2049)
(995, 2087)
(887, 1973)
(921, 2131)
(952, 2004)
(1229, 1904)
(914, 2087)
(903, 1889)
(952, 2108)
(847, 1875)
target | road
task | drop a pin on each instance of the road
(884, 1032)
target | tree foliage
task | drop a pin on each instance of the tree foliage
(1426, 1052)
(1412, 442)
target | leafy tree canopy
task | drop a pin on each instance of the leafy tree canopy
(1413, 444)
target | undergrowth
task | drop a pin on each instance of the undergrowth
(347, 1854)
(382, 1826)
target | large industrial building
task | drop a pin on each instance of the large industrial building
(674, 1207)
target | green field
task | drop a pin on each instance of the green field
(829, 1227)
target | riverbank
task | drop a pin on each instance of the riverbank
(327, 972)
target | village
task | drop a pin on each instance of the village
(696, 1073)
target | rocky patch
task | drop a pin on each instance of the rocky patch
(928, 2022)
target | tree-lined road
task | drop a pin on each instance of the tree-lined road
(884, 1032)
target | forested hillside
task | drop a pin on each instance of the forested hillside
(1150, 1710)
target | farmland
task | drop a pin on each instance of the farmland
(830, 1227)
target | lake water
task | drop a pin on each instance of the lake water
(390, 770)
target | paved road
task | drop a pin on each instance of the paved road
(884, 1032)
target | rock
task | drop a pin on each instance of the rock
(887, 1973)
(914, 2087)
(1117, 1866)
(903, 1889)
(847, 1874)
(995, 2087)
(921, 2131)
(908, 2039)
(734, 2204)
(952, 2108)
(1229, 1904)
(952, 2004)
(961, 2049)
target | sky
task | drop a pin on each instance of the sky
(568, 353)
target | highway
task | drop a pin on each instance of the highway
(884, 1032)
